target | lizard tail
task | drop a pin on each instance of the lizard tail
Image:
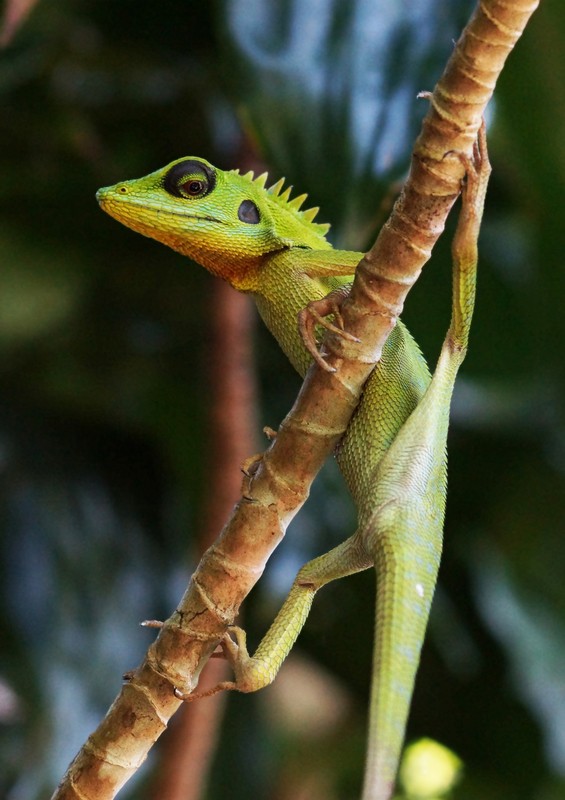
(404, 593)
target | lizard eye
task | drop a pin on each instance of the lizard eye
(192, 187)
(189, 179)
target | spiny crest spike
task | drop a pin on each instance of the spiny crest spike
(310, 213)
(285, 196)
(236, 171)
(276, 187)
(297, 202)
(261, 180)
(250, 176)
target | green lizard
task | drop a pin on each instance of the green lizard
(393, 455)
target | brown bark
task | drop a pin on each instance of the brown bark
(280, 481)
(15, 14)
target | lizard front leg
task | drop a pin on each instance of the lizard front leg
(315, 314)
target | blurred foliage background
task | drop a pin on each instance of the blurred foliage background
(105, 357)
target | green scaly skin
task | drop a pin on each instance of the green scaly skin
(393, 455)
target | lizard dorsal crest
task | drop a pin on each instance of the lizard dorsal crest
(282, 199)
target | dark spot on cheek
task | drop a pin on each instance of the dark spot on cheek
(248, 212)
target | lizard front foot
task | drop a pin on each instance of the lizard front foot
(314, 314)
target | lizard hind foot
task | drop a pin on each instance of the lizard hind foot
(477, 167)
(232, 651)
(315, 314)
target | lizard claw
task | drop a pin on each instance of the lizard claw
(236, 647)
(190, 697)
(251, 465)
(315, 314)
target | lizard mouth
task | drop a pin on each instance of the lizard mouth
(109, 198)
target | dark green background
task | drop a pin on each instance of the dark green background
(103, 364)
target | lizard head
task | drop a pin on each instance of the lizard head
(225, 221)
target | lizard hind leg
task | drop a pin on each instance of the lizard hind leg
(405, 533)
(255, 672)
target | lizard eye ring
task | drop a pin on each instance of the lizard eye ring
(189, 179)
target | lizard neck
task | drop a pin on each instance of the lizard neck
(239, 270)
(280, 292)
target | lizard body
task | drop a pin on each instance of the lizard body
(393, 454)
